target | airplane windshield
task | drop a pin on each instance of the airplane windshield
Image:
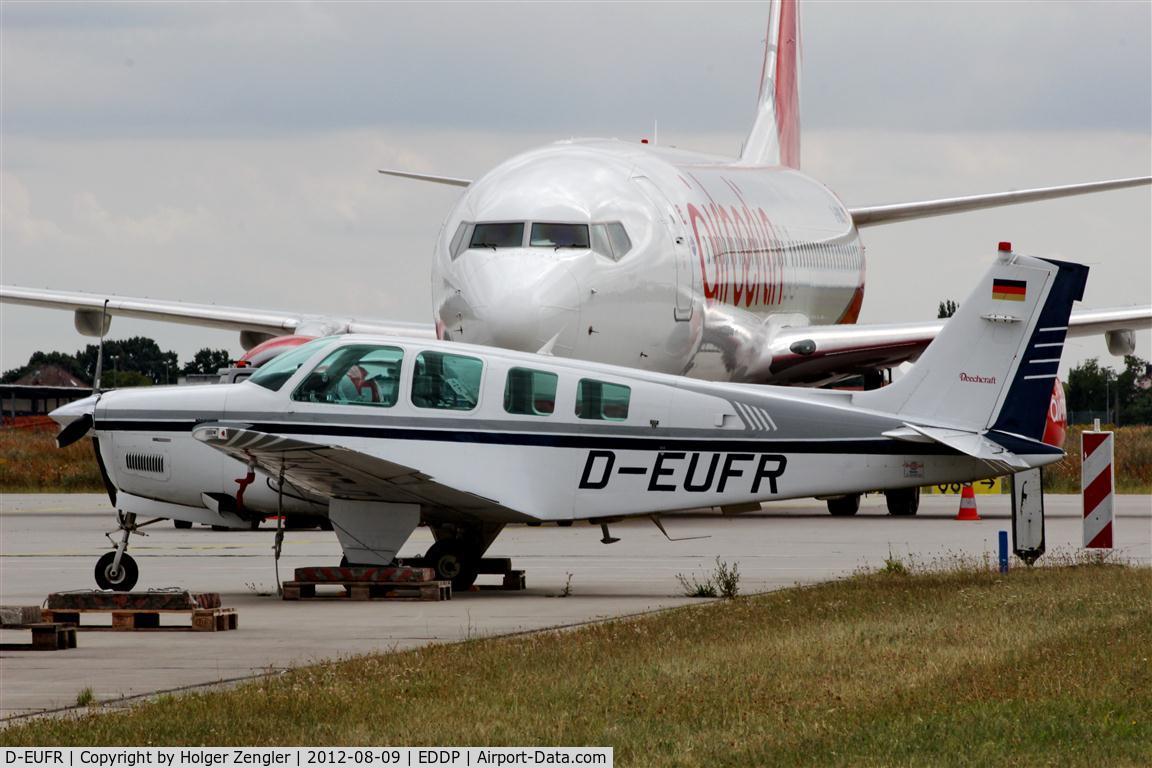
(278, 370)
(559, 236)
(500, 235)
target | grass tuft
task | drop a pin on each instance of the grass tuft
(85, 698)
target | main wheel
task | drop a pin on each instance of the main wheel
(844, 506)
(182, 523)
(453, 561)
(122, 579)
(903, 501)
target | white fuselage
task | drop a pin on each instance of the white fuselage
(676, 444)
(716, 251)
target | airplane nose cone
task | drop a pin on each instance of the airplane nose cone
(519, 302)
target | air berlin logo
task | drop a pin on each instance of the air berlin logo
(977, 378)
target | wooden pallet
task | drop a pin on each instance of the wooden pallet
(514, 581)
(368, 590)
(135, 620)
(45, 637)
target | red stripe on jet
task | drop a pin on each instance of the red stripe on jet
(787, 95)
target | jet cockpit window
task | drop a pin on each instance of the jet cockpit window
(450, 382)
(358, 374)
(498, 235)
(559, 235)
(610, 240)
(529, 392)
(278, 370)
(456, 247)
(602, 401)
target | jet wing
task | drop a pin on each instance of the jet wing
(341, 473)
(886, 214)
(89, 306)
(820, 354)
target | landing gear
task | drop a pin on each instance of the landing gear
(116, 569)
(120, 577)
(903, 501)
(454, 560)
(844, 506)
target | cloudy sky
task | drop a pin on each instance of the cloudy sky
(226, 153)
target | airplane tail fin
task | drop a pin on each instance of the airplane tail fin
(775, 136)
(993, 364)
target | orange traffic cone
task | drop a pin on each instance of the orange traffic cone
(968, 504)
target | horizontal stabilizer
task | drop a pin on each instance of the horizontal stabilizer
(448, 180)
(969, 443)
(886, 214)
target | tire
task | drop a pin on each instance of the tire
(844, 506)
(120, 582)
(903, 502)
(453, 561)
(182, 524)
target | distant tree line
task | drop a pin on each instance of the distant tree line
(133, 362)
(1094, 391)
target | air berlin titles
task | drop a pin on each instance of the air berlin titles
(693, 471)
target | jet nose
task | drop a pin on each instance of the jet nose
(516, 301)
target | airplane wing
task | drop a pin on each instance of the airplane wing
(451, 181)
(820, 354)
(255, 324)
(886, 214)
(341, 473)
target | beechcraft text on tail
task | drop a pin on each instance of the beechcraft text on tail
(381, 434)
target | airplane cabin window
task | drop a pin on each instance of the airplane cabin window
(498, 235)
(602, 401)
(621, 243)
(529, 392)
(559, 235)
(448, 382)
(278, 370)
(357, 374)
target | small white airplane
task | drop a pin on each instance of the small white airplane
(381, 434)
(655, 258)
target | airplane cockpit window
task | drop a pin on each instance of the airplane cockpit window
(449, 382)
(459, 240)
(357, 374)
(602, 401)
(559, 235)
(529, 392)
(498, 235)
(611, 240)
(278, 370)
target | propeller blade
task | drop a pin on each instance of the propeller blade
(74, 431)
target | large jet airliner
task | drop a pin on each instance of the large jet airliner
(670, 261)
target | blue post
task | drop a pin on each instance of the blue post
(1003, 551)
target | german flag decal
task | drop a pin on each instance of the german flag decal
(1009, 290)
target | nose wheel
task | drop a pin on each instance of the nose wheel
(121, 576)
(117, 570)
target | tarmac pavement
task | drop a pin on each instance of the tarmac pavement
(50, 542)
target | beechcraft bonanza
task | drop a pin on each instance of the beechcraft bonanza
(381, 434)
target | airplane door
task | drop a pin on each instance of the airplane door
(687, 278)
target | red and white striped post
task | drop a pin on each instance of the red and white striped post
(1097, 483)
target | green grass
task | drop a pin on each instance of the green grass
(1048, 666)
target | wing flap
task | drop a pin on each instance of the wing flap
(342, 473)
